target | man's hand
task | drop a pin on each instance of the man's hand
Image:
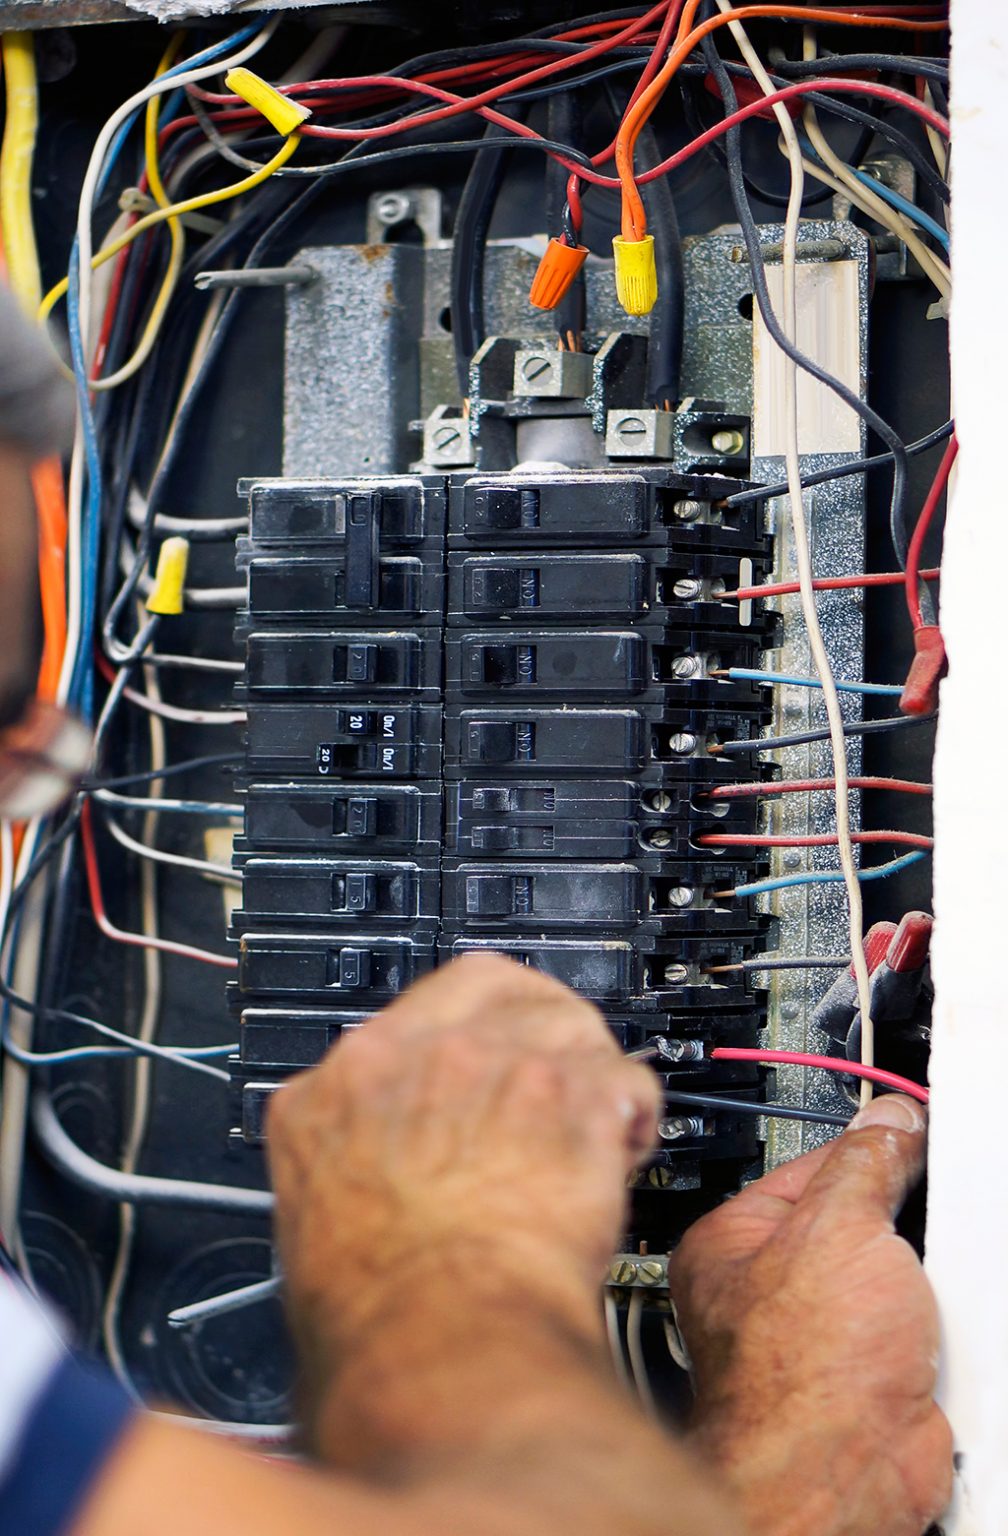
(452, 1178)
(814, 1340)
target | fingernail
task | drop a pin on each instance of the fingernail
(894, 1110)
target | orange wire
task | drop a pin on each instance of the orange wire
(50, 506)
(634, 222)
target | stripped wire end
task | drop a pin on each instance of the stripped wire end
(285, 115)
(636, 274)
(555, 275)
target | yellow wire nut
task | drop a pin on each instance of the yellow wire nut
(636, 274)
(168, 592)
(284, 114)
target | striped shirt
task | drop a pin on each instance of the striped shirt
(58, 1421)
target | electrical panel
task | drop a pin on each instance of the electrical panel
(482, 714)
(500, 649)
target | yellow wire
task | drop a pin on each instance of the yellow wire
(155, 319)
(16, 155)
(175, 210)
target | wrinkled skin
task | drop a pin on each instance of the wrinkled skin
(814, 1340)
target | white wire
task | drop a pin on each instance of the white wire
(187, 716)
(868, 201)
(613, 1335)
(146, 1030)
(156, 87)
(136, 511)
(6, 869)
(20, 1028)
(218, 872)
(635, 1351)
(192, 663)
(803, 559)
(191, 807)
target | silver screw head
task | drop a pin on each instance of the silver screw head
(682, 743)
(623, 1271)
(651, 1272)
(675, 974)
(446, 435)
(685, 666)
(687, 588)
(661, 800)
(630, 428)
(728, 440)
(681, 896)
(659, 839)
(687, 511)
(534, 367)
(392, 208)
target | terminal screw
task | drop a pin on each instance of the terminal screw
(729, 441)
(623, 1272)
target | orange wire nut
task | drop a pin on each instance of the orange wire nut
(555, 273)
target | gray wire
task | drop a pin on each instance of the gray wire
(135, 1188)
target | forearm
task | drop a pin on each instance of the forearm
(490, 1382)
(163, 1479)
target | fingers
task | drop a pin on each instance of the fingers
(871, 1168)
(485, 991)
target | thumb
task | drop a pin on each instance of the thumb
(872, 1167)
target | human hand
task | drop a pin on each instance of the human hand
(471, 1141)
(813, 1335)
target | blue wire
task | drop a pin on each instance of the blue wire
(77, 1052)
(81, 694)
(243, 35)
(82, 678)
(748, 674)
(894, 199)
(831, 876)
(903, 205)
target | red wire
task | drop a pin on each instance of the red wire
(121, 935)
(829, 584)
(927, 512)
(801, 786)
(827, 1063)
(455, 106)
(815, 840)
(651, 68)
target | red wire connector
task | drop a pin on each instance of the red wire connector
(920, 692)
(556, 272)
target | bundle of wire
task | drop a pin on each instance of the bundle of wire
(139, 334)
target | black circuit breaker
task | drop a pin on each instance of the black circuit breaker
(482, 714)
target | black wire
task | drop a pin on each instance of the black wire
(754, 1107)
(887, 63)
(216, 759)
(851, 728)
(717, 154)
(854, 467)
(789, 963)
(750, 235)
(565, 122)
(468, 255)
(667, 324)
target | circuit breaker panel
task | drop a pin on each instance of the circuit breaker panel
(483, 713)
